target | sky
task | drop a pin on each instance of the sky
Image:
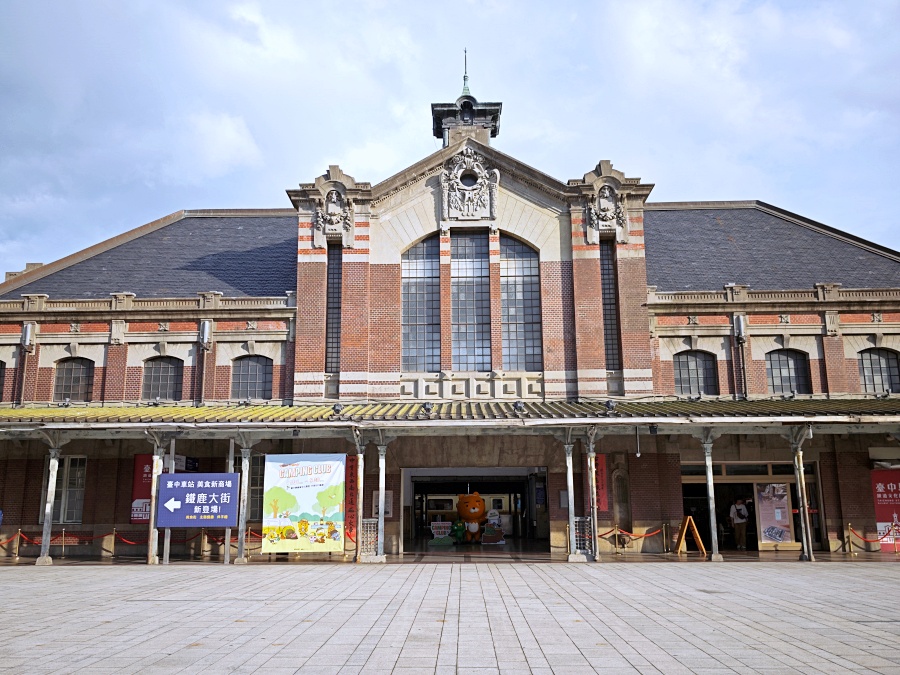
(114, 114)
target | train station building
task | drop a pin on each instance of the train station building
(595, 364)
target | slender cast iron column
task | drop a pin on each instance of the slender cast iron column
(382, 453)
(805, 529)
(574, 555)
(711, 497)
(229, 468)
(592, 485)
(159, 449)
(52, 470)
(242, 520)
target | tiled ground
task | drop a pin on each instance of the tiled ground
(452, 618)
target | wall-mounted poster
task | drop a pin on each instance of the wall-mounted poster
(303, 504)
(388, 504)
(886, 488)
(773, 509)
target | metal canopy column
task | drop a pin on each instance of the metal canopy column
(706, 440)
(159, 440)
(574, 555)
(382, 462)
(796, 436)
(245, 499)
(55, 440)
(229, 468)
(592, 486)
(167, 538)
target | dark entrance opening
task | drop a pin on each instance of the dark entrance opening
(697, 506)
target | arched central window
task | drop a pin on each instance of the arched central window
(695, 373)
(520, 301)
(421, 298)
(74, 380)
(470, 295)
(788, 371)
(163, 376)
(879, 371)
(251, 377)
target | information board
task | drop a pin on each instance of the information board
(198, 500)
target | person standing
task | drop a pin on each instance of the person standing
(739, 517)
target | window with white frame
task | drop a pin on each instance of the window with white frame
(787, 371)
(163, 377)
(696, 373)
(421, 307)
(520, 302)
(69, 501)
(251, 377)
(74, 380)
(879, 371)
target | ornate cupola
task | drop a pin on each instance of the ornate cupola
(467, 118)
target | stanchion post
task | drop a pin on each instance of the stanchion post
(616, 538)
(113, 552)
(18, 540)
(64, 544)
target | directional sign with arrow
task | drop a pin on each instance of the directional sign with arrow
(198, 500)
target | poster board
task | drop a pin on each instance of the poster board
(688, 522)
(886, 492)
(303, 503)
(775, 523)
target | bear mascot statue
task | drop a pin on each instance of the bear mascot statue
(471, 511)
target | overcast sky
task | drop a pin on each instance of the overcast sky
(113, 114)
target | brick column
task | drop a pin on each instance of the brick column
(558, 329)
(309, 343)
(634, 320)
(114, 375)
(355, 323)
(588, 311)
(835, 374)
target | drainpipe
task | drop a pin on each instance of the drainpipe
(740, 335)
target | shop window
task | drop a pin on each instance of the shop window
(520, 302)
(69, 501)
(696, 373)
(609, 291)
(163, 376)
(333, 309)
(470, 294)
(421, 307)
(251, 378)
(879, 371)
(747, 469)
(788, 372)
(74, 380)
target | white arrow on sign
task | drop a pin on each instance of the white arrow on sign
(172, 504)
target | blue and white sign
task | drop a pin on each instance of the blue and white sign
(198, 500)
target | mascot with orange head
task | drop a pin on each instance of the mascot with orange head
(471, 511)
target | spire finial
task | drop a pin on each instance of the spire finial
(465, 91)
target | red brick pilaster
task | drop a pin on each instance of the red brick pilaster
(114, 376)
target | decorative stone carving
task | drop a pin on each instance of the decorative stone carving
(784, 318)
(334, 217)
(163, 327)
(833, 323)
(606, 213)
(877, 317)
(251, 325)
(693, 321)
(468, 190)
(74, 327)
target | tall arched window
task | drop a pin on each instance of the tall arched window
(421, 303)
(788, 371)
(520, 303)
(470, 295)
(163, 376)
(696, 373)
(74, 380)
(251, 377)
(879, 370)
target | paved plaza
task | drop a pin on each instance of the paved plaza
(452, 618)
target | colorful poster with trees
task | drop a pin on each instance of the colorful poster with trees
(303, 503)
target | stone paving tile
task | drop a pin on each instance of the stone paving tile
(454, 618)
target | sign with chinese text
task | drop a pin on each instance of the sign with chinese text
(774, 511)
(602, 485)
(140, 488)
(198, 500)
(303, 503)
(351, 507)
(886, 489)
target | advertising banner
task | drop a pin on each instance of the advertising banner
(140, 488)
(351, 508)
(303, 504)
(886, 488)
(602, 486)
(773, 509)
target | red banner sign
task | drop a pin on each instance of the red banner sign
(140, 488)
(351, 507)
(886, 489)
(602, 486)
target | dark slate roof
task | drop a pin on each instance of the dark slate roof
(238, 255)
(755, 244)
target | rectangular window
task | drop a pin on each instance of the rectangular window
(470, 301)
(421, 302)
(520, 303)
(69, 501)
(255, 497)
(333, 310)
(609, 290)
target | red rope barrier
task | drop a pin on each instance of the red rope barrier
(606, 533)
(30, 541)
(640, 536)
(133, 543)
(872, 541)
(4, 543)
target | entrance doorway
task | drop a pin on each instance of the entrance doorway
(515, 498)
